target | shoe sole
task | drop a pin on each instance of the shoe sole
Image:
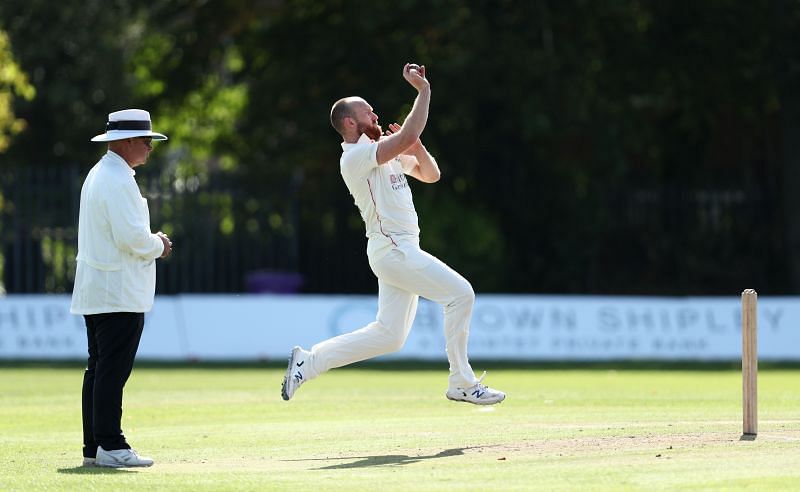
(121, 465)
(288, 374)
(486, 402)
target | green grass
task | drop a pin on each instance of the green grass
(390, 428)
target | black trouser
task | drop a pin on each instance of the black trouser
(113, 339)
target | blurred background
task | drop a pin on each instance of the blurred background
(625, 148)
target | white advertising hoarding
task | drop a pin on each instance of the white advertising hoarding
(504, 327)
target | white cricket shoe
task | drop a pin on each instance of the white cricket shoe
(296, 373)
(88, 461)
(120, 458)
(477, 394)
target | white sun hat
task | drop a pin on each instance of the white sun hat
(128, 123)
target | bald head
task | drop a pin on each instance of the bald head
(343, 108)
(353, 117)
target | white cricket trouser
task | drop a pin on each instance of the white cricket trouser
(404, 274)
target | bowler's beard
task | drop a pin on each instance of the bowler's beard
(373, 131)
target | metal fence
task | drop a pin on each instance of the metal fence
(659, 241)
(225, 239)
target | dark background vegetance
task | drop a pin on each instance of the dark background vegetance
(628, 147)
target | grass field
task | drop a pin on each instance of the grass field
(390, 428)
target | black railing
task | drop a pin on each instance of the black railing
(646, 240)
(225, 240)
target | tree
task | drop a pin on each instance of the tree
(13, 84)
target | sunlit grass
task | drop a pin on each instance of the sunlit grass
(377, 428)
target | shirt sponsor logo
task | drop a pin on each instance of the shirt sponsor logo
(398, 181)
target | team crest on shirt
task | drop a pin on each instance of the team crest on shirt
(398, 181)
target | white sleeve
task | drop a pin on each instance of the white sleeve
(127, 214)
(360, 159)
(408, 163)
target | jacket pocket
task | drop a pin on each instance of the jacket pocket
(100, 265)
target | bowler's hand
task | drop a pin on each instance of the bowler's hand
(414, 148)
(415, 75)
(167, 244)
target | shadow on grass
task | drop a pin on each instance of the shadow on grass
(93, 470)
(387, 459)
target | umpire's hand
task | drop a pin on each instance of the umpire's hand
(167, 244)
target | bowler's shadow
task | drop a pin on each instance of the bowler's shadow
(93, 470)
(388, 459)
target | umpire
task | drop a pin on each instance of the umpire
(115, 281)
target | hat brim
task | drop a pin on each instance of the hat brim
(123, 134)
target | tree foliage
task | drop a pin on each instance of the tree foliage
(592, 147)
(13, 84)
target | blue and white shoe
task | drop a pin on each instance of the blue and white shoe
(296, 373)
(477, 394)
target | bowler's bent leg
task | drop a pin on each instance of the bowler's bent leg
(388, 333)
(426, 275)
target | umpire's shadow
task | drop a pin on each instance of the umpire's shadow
(93, 470)
(387, 459)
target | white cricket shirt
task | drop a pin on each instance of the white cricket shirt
(382, 195)
(116, 251)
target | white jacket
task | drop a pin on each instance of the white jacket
(116, 269)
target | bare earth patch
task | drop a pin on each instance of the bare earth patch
(638, 437)
(637, 441)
